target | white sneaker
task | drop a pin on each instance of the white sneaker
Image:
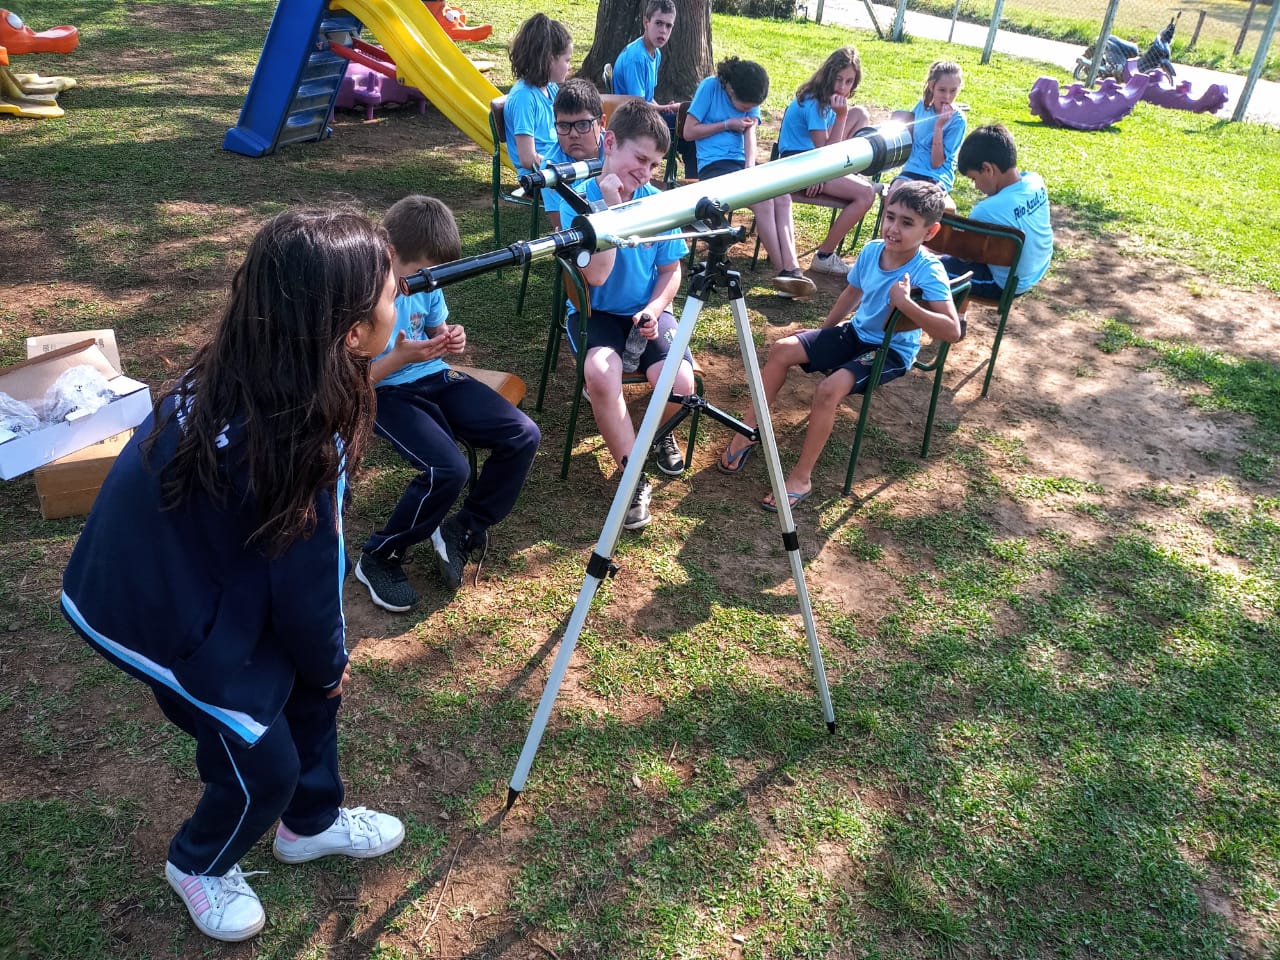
(225, 908)
(356, 833)
(832, 265)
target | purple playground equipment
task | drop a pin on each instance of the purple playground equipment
(1082, 109)
(365, 88)
(1163, 92)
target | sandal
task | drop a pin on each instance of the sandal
(793, 500)
(734, 463)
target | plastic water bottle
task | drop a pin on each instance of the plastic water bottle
(635, 345)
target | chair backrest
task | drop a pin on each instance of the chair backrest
(990, 243)
(681, 114)
(612, 101)
(576, 287)
(497, 122)
(898, 321)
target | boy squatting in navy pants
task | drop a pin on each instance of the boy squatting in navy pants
(423, 406)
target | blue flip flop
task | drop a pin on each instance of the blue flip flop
(737, 461)
(793, 500)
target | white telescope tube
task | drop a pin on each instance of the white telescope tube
(872, 149)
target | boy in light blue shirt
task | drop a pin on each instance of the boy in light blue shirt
(844, 348)
(989, 158)
(579, 136)
(632, 288)
(635, 70)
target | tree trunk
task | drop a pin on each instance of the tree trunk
(686, 60)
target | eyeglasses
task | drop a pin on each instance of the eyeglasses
(577, 126)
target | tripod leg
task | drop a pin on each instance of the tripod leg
(600, 564)
(777, 480)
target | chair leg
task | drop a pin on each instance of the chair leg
(995, 349)
(528, 264)
(552, 354)
(470, 451)
(571, 430)
(701, 391)
(941, 363)
(863, 416)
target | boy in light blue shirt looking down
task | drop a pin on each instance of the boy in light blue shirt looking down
(632, 288)
(989, 158)
(844, 348)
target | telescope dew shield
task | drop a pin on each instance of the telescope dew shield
(432, 278)
(554, 173)
(870, 151)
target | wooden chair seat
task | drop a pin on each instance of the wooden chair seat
(507, 385)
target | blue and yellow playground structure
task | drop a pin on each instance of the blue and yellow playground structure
(308, 47)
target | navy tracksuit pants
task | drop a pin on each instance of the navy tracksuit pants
(424, 420)
(290, 774)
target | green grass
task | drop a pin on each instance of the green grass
(1057, 731)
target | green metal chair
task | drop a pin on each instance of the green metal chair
(959, 295)
(570, 279)
(517, 197)
(993, 244)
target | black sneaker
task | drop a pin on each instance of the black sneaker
(667, 457)
(455, 546)
(638, 517)
(388, 586)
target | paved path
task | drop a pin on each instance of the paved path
(1264, 105)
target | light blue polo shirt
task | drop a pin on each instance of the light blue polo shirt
(799, 118)
(530, 111)
(1024, 205)
(630, 283)
(635, 73)
(415, 315)
(712, 105)
(921, 160)
(868, 321)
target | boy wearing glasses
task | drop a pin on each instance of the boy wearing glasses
(579, 136)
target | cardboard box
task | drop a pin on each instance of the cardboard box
(27, 381)
(68, 486)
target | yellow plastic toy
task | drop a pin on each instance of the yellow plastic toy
(29, 94)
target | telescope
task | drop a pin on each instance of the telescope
(554, 173)
(869, 151)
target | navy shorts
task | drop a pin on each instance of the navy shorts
(717, 168)
(609, 330)
(982, 284)
(838, 348)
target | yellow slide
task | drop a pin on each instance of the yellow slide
(427, 59)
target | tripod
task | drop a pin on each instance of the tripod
(713, 272)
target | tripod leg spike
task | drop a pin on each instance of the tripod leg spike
(513, 795)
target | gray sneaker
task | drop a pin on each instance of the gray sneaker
(456, 545)
(388, 586)
(667, 456)
(832, 265)
(638, 516)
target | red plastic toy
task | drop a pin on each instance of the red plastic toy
(454, 21)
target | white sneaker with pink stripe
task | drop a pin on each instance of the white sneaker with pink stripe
(356, 833)
(225, 908)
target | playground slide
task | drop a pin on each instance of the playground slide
(427, 59)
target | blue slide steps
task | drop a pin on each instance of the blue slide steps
(296, 80)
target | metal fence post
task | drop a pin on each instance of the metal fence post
(1259, 61)
(1101, 45)
(899, 16)
(995, 25)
